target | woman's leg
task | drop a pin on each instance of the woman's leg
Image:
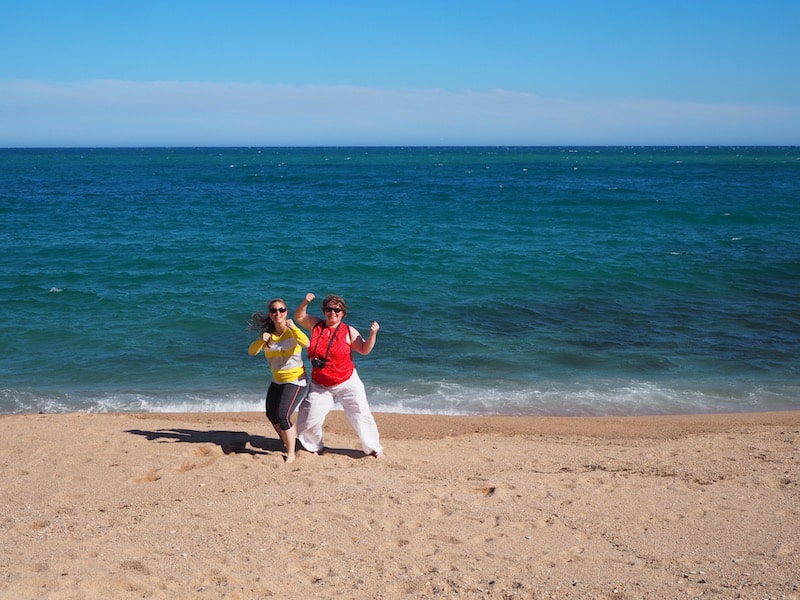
(290, 441)
(311, 416)
(353, 398)
(290, 398)
(272, 406)
(282, 400)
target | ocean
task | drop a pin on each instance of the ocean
(511, 281)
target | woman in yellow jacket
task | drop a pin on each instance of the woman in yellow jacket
(282, 342)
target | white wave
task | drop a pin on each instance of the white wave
(447, 398)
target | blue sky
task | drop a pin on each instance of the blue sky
(500, 72)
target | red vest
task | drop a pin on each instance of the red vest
(338, 362)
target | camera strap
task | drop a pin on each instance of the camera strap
(330, 343)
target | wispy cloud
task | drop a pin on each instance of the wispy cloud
(127, 113)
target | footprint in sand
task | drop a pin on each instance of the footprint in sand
(149, 477)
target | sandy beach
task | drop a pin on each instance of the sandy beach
(203, 506)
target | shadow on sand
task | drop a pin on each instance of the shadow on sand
(231, 442)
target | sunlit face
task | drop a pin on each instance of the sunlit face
(334, 313)
(277, 312)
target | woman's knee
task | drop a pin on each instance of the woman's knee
(272, 415)
(285, 423)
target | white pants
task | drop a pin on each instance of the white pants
(319, 402)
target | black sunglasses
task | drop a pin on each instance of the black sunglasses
(282, 309)
(333, 310)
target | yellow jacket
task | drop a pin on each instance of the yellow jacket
(284, 354)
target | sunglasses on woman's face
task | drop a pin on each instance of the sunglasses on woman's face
(332, 309)
(282, 309)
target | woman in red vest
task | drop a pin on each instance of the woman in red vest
(334, 376)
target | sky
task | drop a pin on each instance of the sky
(101, 73)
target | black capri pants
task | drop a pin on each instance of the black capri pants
(282, 400)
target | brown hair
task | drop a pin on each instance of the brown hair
(261, 321)
(334, 299)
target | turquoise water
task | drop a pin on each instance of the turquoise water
(506, 280)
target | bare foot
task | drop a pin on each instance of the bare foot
(290, 458)
(379, 455)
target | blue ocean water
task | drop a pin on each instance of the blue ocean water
(520, 281)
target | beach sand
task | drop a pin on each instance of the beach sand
(203, 506)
